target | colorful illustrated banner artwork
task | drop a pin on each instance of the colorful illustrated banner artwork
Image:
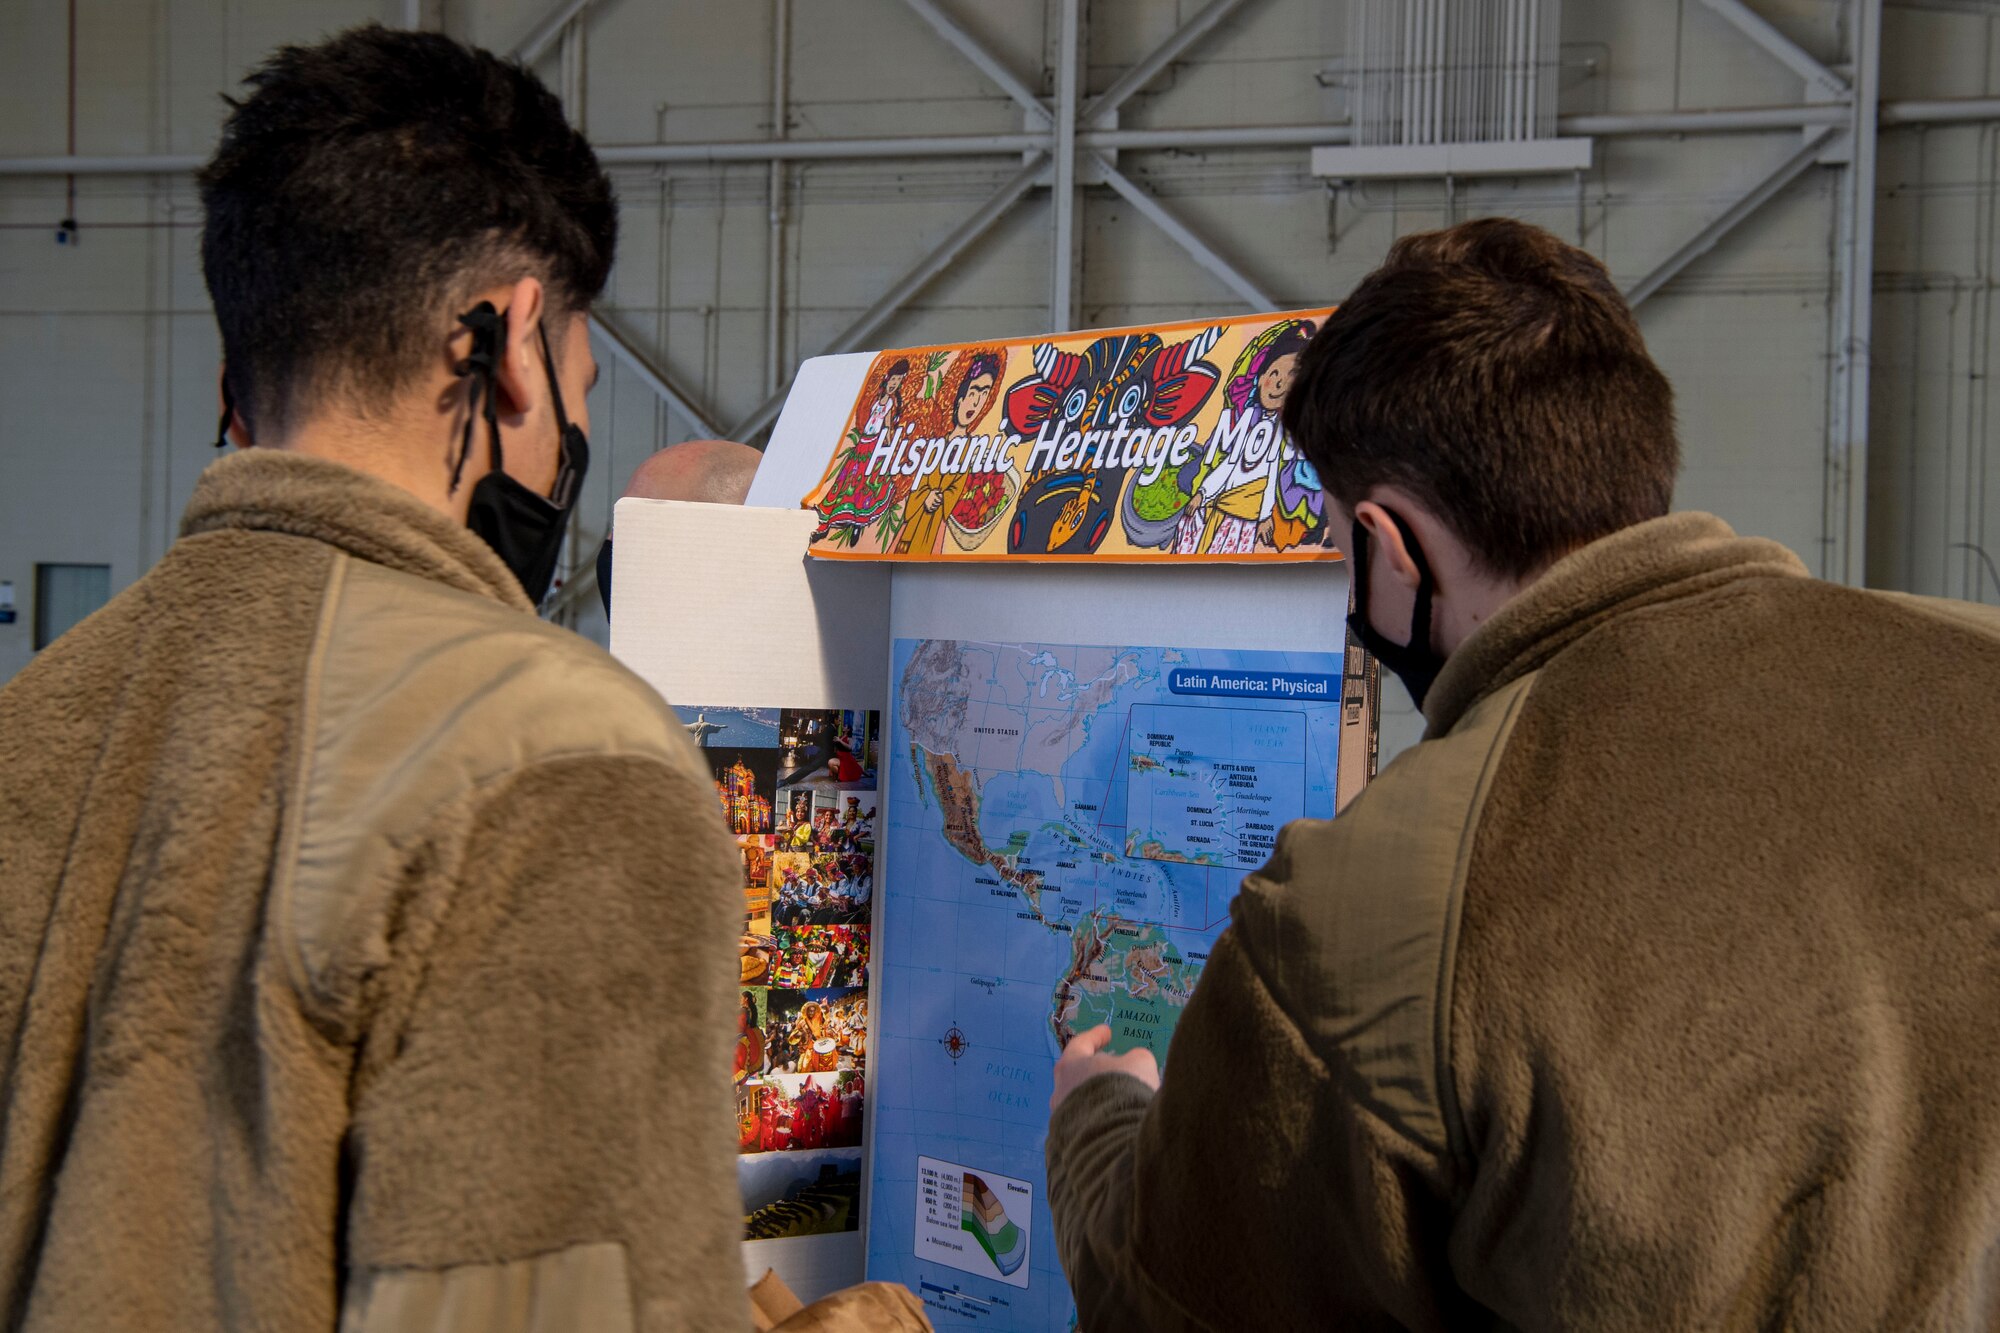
(797, 788)
(1065, 830)
(1113, 445)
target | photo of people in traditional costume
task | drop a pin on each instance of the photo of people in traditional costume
(1257, 490)
(816, 1031)
(827, 748)
(1112, 397)
(821, 888)
(800, 1114)
(765, 1116)
(811, 957)
(749, 1039)
(953, 496)
(856, 500)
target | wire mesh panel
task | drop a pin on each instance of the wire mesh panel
(1453, 71)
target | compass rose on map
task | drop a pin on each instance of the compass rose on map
(954, 1043)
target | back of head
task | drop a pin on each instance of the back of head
(360, 195)
(710, 471)
(1493, 372)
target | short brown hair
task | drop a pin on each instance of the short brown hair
(1494, 372)
(367, 187)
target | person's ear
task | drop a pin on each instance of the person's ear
(519, 376)
(1392, 552)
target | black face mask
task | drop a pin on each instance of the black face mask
(524, 529)
(1415, 663)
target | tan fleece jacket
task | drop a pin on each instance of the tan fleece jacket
(1655, 989)
(366, 949)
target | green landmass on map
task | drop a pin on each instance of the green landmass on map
(1160, 498)
(958, 799)
(1129, 975)
(1145, 763)
(1140, 844)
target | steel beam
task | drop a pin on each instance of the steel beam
(543, 35)
(984, 60)
(76, 164)
(1781, 48)
(774, 259)
(1227, 136)
(810, 150)
(1720, 121)
(937, 261)
(1749, 202)
(1143, 73)
(1183, 139)
(994, 145)
(655, 378)
(1184, 236)
(1940, 111)
(1062, 257)
(1846, 524)
(1892, 115)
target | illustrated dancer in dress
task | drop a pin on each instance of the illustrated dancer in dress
(856, 500)
(1236, 499)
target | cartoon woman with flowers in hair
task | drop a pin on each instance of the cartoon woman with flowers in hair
(969, 386)
(856, 500)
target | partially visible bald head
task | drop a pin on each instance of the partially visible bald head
(706, 471)
(711, 471)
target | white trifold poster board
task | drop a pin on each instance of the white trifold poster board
(717, 609)
(1068, 770)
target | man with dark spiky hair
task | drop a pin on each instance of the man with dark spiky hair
(366, 943)
(1655, 988)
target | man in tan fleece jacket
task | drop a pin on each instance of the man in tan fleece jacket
(1655, 988)
(367, 945)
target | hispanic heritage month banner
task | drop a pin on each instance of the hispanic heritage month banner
(1114, 445)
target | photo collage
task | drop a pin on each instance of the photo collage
(798, 791)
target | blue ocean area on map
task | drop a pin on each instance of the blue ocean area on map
(1064, 831)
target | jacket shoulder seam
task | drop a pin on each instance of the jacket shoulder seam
(1450, 1108)
(422, 699)
(1353, 926)
(289, 947)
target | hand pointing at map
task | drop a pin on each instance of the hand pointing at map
(1085, 1058)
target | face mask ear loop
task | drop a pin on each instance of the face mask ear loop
(479, 365)
(566, 477)
(228, 414)
(555, 389)
(1420, 614)
(1357, 555)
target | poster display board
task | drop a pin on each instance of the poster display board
(784, 662)
(1000, 718)
(1074, 824)
(1134, 444)
(1066, 824)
